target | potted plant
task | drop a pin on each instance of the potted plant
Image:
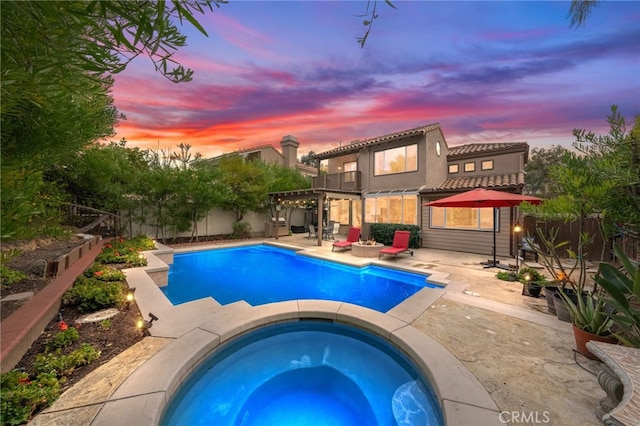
(532, 281)
(622, 287)
(590, 321)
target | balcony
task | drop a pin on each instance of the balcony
(345, 181)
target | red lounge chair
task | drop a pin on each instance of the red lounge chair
(400, 245)
(352, 237)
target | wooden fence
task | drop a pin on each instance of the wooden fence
(569, 231)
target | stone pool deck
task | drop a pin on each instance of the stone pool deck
(521, 356)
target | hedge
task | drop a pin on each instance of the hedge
(383, 233)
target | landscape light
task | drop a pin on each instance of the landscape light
(129, 298)
(145, 325)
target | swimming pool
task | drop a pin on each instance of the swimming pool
(262, 274)
(305, 373)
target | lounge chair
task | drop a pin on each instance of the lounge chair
(352, 237)
(400, 245)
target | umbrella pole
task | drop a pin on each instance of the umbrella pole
(495, 220)
(493, 264)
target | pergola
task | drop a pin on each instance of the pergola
(315, 196)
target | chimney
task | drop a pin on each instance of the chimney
(290, 146)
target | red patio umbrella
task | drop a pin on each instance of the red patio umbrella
(481, 197)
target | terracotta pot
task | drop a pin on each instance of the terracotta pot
(582, 337)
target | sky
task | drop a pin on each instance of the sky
(486, 71)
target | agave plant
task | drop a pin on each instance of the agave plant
(588, 314)
(623, 289)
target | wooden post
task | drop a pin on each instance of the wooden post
(320, 229)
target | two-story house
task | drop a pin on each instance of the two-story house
(388, 179)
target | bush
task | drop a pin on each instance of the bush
(507, 276)
(91, 294)
(534, 276)
(242, 230)
(104, 273)
(383, 233)
(63, 338)
(10, 276)
(126, 251)
(21, 397)
(62, 365)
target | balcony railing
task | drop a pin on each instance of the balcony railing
(345, 181)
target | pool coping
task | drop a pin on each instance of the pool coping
(201, 326)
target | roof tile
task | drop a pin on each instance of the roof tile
(510, 180)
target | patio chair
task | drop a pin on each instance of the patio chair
(352, 237)
(333, 230)
(400, 245)
(312, 232)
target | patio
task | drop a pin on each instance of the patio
(521, 355)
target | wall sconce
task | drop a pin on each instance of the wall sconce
(130, 297)
(145, 325)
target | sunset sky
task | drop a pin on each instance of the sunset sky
(486, 71)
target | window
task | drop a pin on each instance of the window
(469, 167)
(453, 168)
(462, 218)
(486, 165)
(349, 171)
(339, 211)
(396, 160)
(391, 209)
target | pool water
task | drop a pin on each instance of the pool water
(305, 373)
(262, 274)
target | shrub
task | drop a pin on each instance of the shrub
(126, 251)
(62, 365)
(383, 233)
(534, 275)
(91, 294)
(21, 397)
(63, 338)
(104, 273)
(506, 276)
(10, 276)
(242, 230)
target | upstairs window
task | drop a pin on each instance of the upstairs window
(396, 160)
(453, 168)
(486, 165)
(469, 167)
(350, 171)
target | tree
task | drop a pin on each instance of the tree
(537, 171)
(242, 185)
(580, 10)
(615, 158)
(309, 159)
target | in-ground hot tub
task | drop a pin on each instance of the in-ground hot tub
(305, 373)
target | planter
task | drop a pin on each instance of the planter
(549, 291)
(582, 337)
(533, 289)
(561, 308)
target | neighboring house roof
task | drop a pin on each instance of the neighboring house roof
(514, 181)
(358, 145)
(473, 150)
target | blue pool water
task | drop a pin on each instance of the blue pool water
(262, 274)
(305, 373)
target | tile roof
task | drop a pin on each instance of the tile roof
(473, 149)
(358, 145)
(510, 180)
